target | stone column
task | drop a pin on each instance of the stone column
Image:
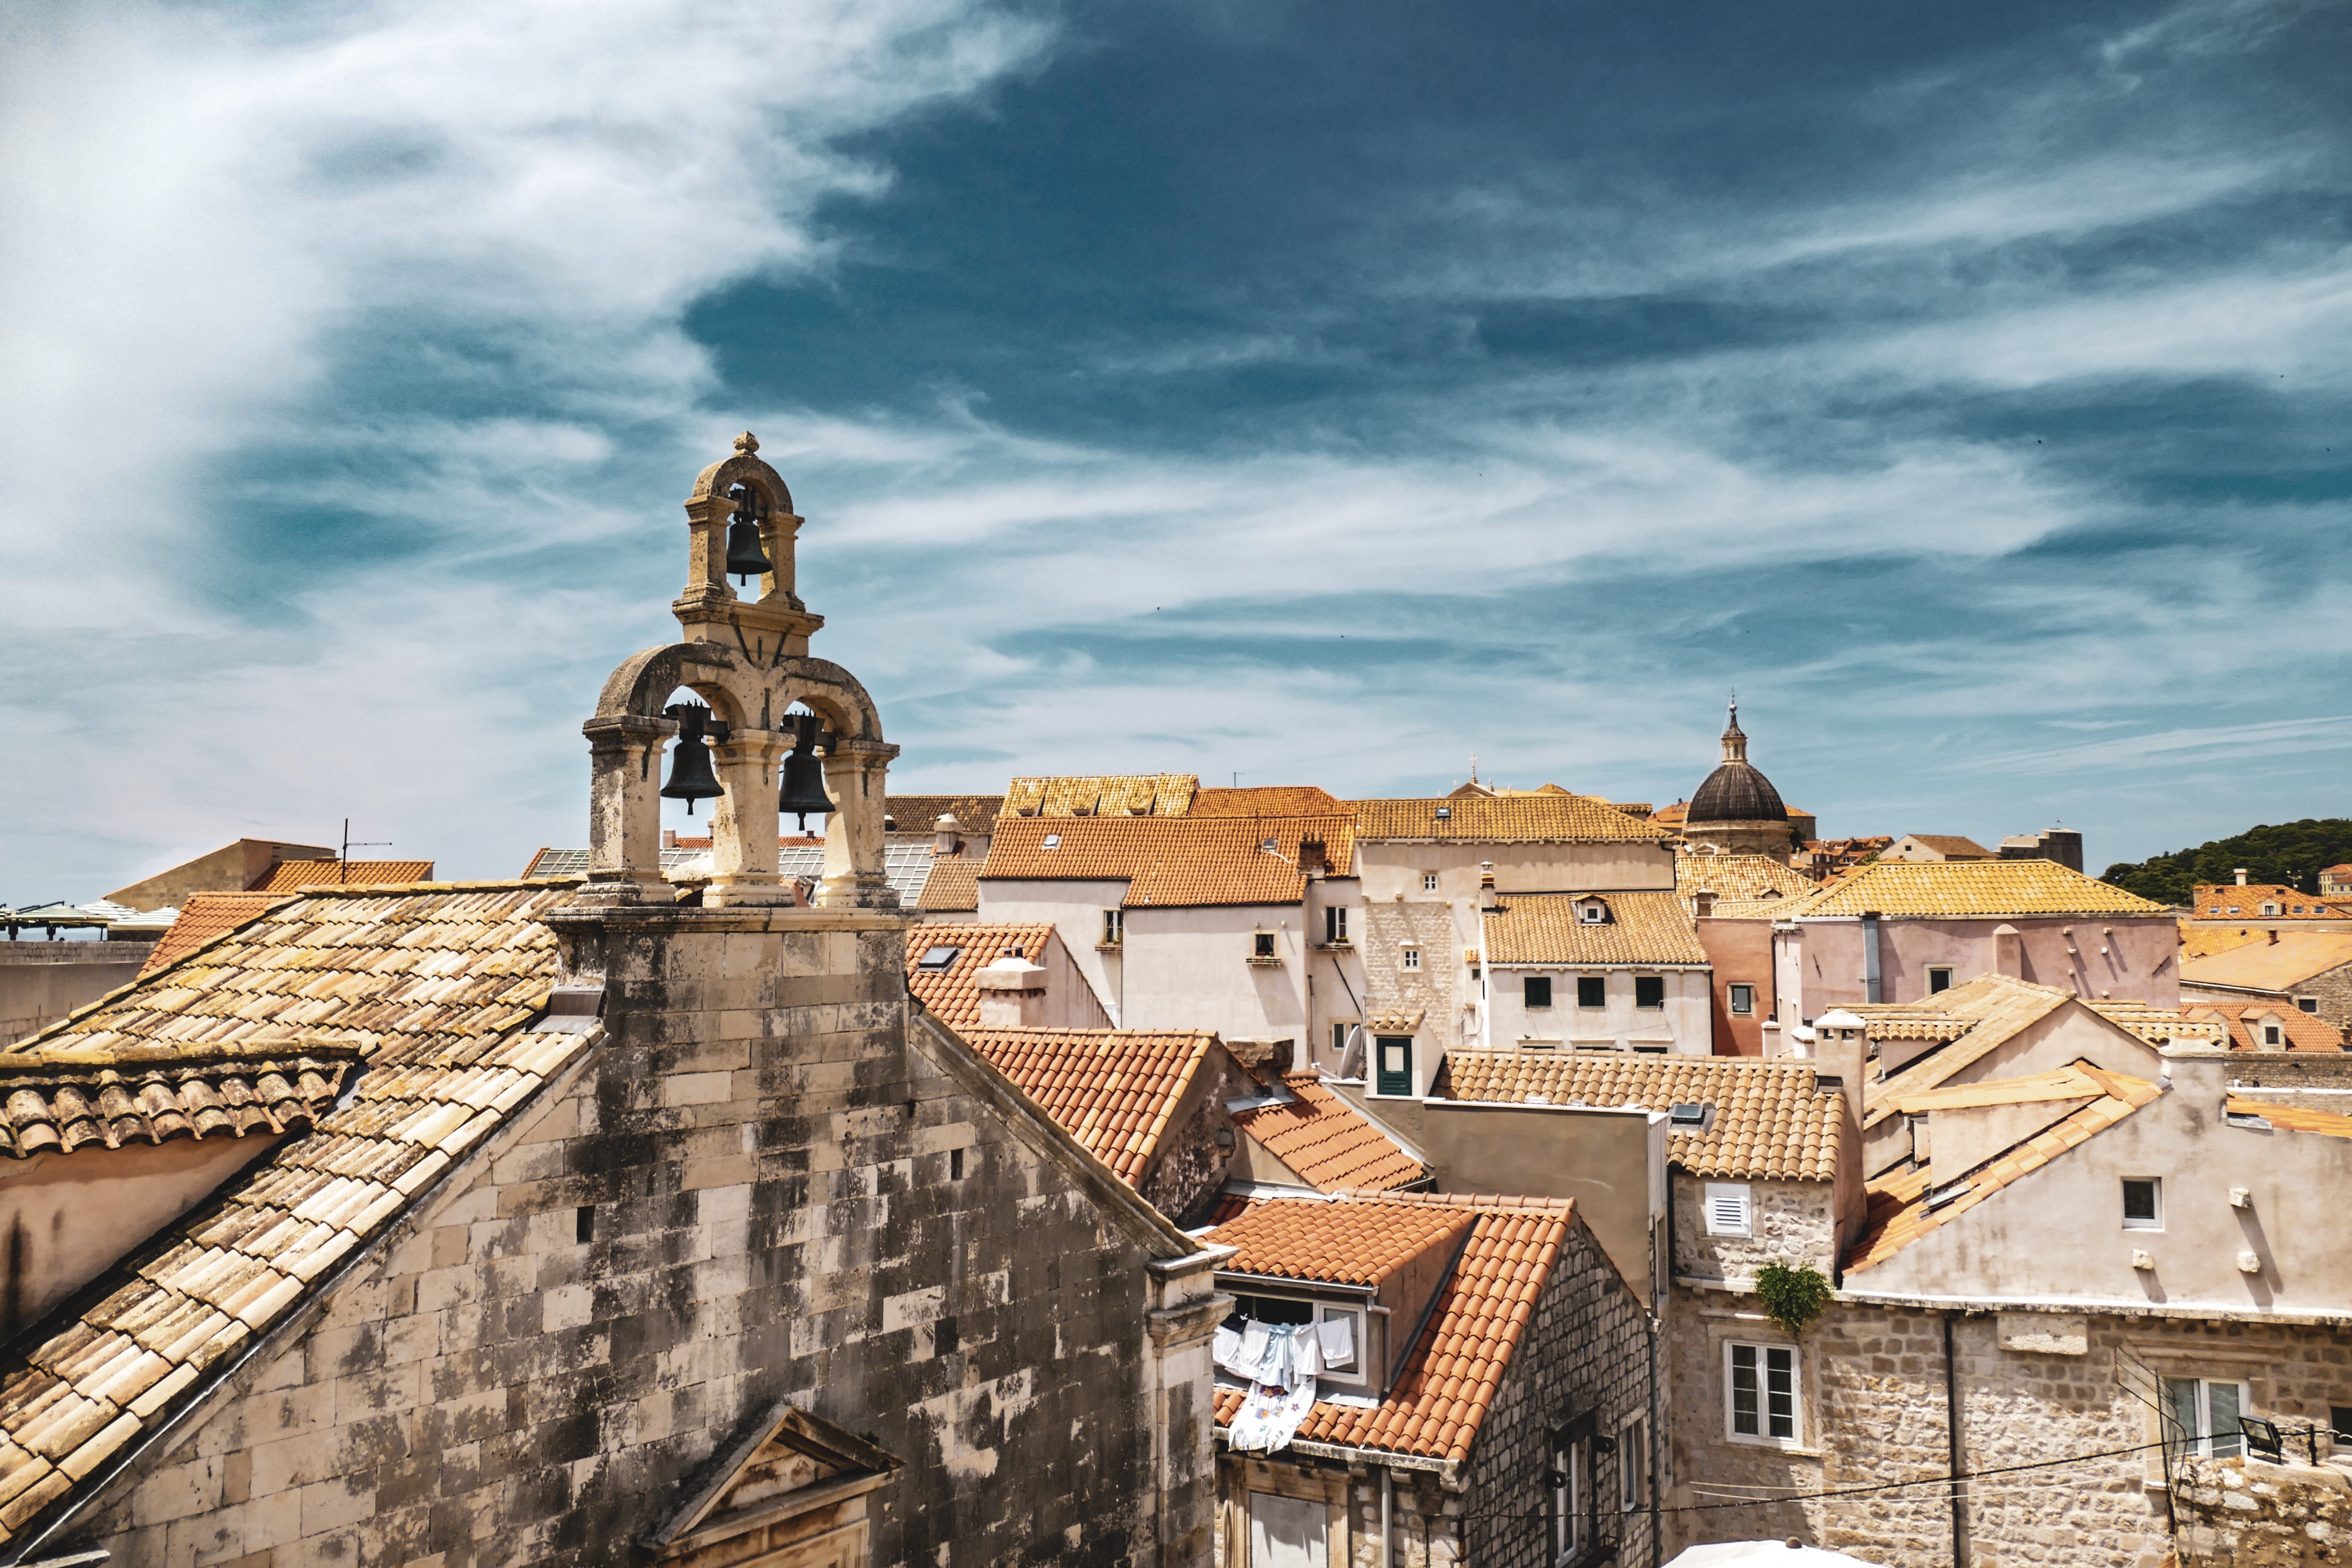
(743, 822)
(624, 808)
(855, 772)
(706, 554)
(779, 537)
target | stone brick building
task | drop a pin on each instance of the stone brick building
(1505, 1412)
(551, 1222)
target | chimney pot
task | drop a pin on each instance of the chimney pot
(2240, 874)
(1012, 994)
(1703, 902)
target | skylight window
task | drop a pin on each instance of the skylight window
(1053, 841)
(1686, 1115)
(938, 957)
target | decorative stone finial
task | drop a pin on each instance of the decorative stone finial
(747, 443)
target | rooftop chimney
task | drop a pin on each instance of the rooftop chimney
(1487, 884)
(948, 840)
(1012, 994)
(2240, 874)
(1703, 902)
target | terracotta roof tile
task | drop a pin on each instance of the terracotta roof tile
(918, 813)
(2299, 1030)
(1897, 1212)
(2297, 956)
(1962, 889)
(1336, 1244)
(951, 992)
(1734, 879)
(203, 917)
(1267, 800)
(1773, 1120)
(1114, 1091)
(1534, 818)
(294, 876)
(2231, 900)
(1950, 843)
(1440, 1399)
(435, 986)
(1650, 927)
(1101, 794)
(263, 1089)
(1327, 1141)
(2294, 1118)
(2064, 1083)
(952, 886)
(1172, 862)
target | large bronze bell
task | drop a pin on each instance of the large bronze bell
(690, 777)
(745, 555)
(803, 792)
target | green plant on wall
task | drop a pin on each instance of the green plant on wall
(1792, 1297)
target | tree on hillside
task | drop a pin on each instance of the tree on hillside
(2293, 853)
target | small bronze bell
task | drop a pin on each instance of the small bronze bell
(690, 777)
(803, 792)
(745, 556)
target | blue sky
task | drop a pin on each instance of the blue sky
(1310, 392)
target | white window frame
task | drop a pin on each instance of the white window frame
(1729, 1193)
(1934, 970)
(1634, 1465)
(1762, 1353)
(1335, 923)
(1592, 914)
(1361, 1377)
(1571, 1462)
(1429, 881)
(1114, 932)
(1741, 999)
(2149, 1225)
(1412, 958)
(2201, 1433)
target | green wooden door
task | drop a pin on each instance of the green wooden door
(1394, 1073)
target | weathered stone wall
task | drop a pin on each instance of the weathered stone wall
(1585, 1352)
(1873, 1413)
(1793, 1223)
(747, 1195)
(1388, 928)
(2247, 1513)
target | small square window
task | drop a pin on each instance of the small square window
(1743, 1001)
(2308, 1004)
(1538, 991)
(1592, 914)
(1412, 958)
(1649, 991)
(1591, 991)
(2339, 1419)
(1263, 944)
(2271, 1035)
(1938, 979)
(2143, 1203)
(1429, 881)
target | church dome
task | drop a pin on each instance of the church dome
(1735, 792)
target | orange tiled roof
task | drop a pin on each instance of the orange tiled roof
(438, 987)
(1268, 800)
(1964, 889)
(1773, 1120)
(1898, 1213)
(2295, 957)
(2062, 1083)
(2203, 941)
(203, 917)
(1329, 1141)
(1101, 794)
(951, 993)
(2156, 1025)
(1336, 1244)
(952, 886)
(1172, 862)
(2228, 900)
(1647, 928)
(1439, 1402)
(1114, 1091)
(2303, 1031)
(1537, 818)
(1950, 843)
(918, 813)
(294, 876)
(2294, 1118)
(1746, 879)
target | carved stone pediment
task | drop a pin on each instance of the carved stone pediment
(790, 1493)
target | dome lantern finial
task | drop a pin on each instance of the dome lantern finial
(1734, 740)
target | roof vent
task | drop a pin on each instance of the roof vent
(1687, 1115)
(1444, 814)
(1053, 841)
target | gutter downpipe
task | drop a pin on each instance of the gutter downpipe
(1388, 1480)
(1651, 1436)
(1952, 1448)
(1870, 981)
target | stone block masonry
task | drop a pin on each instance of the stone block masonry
(745, 1194)
(2247, 1513)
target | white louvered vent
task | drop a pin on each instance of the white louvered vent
(1727, 1209)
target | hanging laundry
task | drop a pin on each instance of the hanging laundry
(1307, 1353)
(1269, 1417)
(1226, 1349)
(1336, 1338)
(1251, 1358)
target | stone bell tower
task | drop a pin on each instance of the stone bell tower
(749, 659)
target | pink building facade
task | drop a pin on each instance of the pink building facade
(1828, 960)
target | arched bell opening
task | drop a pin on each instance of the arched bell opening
(707, 716)
(802, 792)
